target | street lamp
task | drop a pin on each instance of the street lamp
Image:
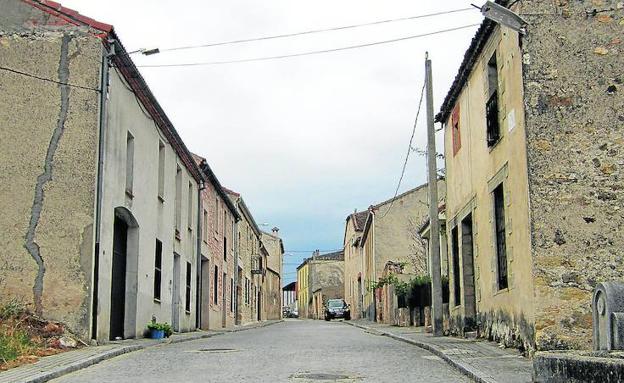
(146, 51)
(504, 16)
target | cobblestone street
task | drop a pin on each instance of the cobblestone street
(292, 351)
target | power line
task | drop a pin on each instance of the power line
(309, 52)
(409, 150)
(230, 42)
(46, 79)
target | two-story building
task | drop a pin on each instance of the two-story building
(273, 286)
(353, 262)
(533, 146)
(99, 226)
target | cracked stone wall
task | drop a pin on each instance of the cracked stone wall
(48, 170)
(573, 60)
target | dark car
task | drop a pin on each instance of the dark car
(337, 308)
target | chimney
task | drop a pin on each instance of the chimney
(275, 231)
(355, 211)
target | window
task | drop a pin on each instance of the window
(216, 228)
(215, 285)
(190, 206)
(491, 106)
(205, 226)
(455, 255)
(129, 163)
(157, 270)
(178, 201)
(224, 291)
(456, 136)
(224, 248)
(499, 227)
(161, 170)
(187, 303)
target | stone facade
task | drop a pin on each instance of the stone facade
(353, 281)
(273, 296)
(250, 295)
(391, 234)
(557, 161)
(326, 280)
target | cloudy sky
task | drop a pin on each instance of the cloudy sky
(306, 140)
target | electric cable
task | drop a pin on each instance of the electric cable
(280, 36)
(46, 79)
(309, 52)
(409, 150)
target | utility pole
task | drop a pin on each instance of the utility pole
(434, 225)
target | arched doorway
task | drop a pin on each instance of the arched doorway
(123, 301)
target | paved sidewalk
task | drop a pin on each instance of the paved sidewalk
(482, 361)
(51, 367)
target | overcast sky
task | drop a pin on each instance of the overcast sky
(306, 140)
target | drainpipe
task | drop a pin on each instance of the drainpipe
(199, 232)
(104, 83)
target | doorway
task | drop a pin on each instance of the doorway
(118, 279)
(204, 300)
(259, 300)
(467, 252)
(175, 303)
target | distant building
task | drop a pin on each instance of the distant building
(273, 291)
(304, 297)
(390, 234)
(326, 280)
(353, 263)
(289, 295)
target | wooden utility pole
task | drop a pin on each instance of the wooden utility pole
(434, 225)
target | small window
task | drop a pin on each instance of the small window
(157, 270)
(129, 163)
(161, 170)
(455, 133)
(224, 248)
(190, 206)
(178, 201)
(499, 226)
(216, 228)
(187, 303)
(455, 254)
(491, 106)
(205, 226)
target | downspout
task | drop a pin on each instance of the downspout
(104, 83)
(199, 232)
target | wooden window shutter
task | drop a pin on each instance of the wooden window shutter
(455, 130)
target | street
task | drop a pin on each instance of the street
(292, 351)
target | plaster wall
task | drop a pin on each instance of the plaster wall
(506, 315)
(154, 218)
(48, 169)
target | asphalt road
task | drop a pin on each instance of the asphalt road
(295, 351)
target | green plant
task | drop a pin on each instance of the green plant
(14, 343)
(12, 309)
(166, 327)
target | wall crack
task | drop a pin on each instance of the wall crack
(35, 214)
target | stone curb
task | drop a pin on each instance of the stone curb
(464, 368)
(95, 359)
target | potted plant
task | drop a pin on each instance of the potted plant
(159, 330)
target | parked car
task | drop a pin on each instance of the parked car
(288, 312)
(337, 308)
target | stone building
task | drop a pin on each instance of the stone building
(534, 147)
(273, 290)
(251, 264)
(390, 233)
(326, 280)
(219, 254)
(100, 195)
(353, 281)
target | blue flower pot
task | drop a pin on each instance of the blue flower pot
(157, 334)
